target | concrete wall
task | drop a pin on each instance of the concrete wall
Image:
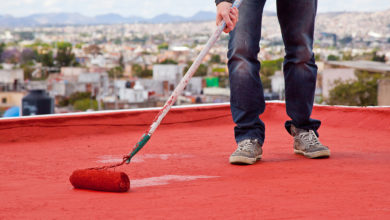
(330, 75)
(384, 92)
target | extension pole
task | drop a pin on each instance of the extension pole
(179, 89)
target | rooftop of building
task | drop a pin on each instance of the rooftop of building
(183, 172)
(363, 65)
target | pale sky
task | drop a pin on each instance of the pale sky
(150, 8)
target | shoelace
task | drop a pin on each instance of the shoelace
(246, 145)
(310, 138)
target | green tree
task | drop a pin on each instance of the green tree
(118, 41)
(168, 61)
(347, 56)
(332, 57)
(65, 56)
(79, 95)
(268, 69)
(27, 70)
(2, 47)
(121, 61)
(201, 71)
(360, 92)
(215, 58)
(163, 46)
(47, 59)
(141, 72)
(85, 104)
(378, 58)
(116, 72)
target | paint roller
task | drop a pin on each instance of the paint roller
(101, 178)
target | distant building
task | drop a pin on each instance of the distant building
(72, 71)
(11, 79)
(136, 94)
(195, 86)
(9, 99)
(345, 70)
(169, 74)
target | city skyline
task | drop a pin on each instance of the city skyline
(151, 8)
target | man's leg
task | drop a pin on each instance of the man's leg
(297, 20)
(247, 98)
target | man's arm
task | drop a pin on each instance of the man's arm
(226, 13)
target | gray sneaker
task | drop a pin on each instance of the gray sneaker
(307, 143)
(248, 152)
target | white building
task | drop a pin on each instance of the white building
(10, 75)
(137, 94)
(168, 72)
(72, 71)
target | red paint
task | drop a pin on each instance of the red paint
(38, 155)
(101, 180)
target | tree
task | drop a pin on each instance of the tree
(268, 69)
(163, 46)
(92, 49)
(168, 61)
(360, 92)
(141, 72)
(47, 59)
(201, 71)
(347, 56)
(65, 56)
(85, 104)
(27, 71)
(378, 58)
(28, 55)
(332, 57)
(121, 62)
(116, 72)
(2, 48)
(11, 56)
(215, 58)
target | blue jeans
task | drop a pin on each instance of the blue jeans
(296, 18)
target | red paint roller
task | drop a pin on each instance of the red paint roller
(99, 178)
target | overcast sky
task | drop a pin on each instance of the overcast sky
(150, 8)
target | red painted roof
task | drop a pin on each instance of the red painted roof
(183, 172)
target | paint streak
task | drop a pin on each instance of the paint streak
(165, 180)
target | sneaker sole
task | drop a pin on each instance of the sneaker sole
(243, 160)
(312, 155)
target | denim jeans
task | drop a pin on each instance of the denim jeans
(296, 18)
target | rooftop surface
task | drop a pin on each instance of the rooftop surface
(183, 172)
(364, 65)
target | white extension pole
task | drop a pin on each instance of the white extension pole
(180, 87)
